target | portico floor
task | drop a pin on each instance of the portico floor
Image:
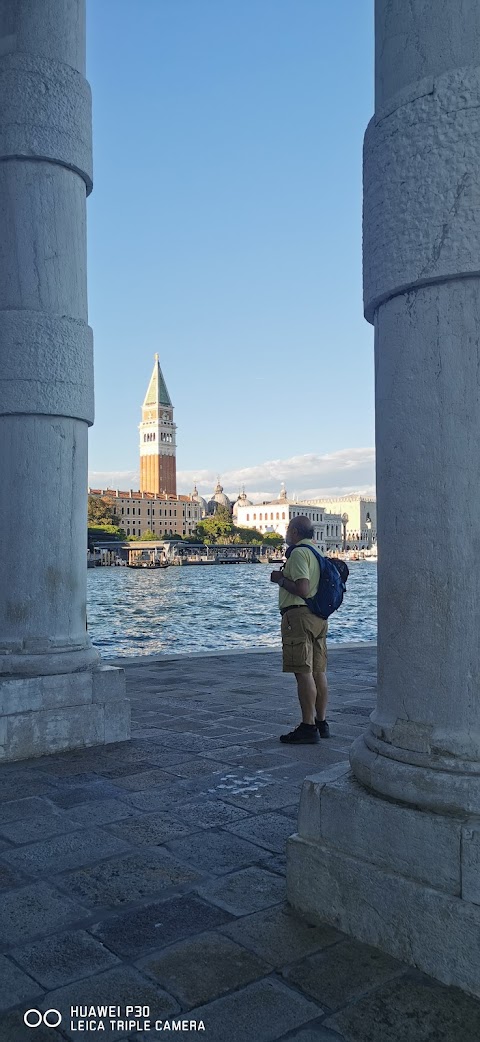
(151, 873)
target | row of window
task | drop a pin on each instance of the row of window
(151, 436)
(139, 512)
(260, 517)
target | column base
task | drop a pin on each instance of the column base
(49, 714)
(404, 880)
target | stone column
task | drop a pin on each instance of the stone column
(54, 693)
(405, 871)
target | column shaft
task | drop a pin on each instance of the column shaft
(422, 281)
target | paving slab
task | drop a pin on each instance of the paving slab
(263, 1012)
(410, 1010)
(62, 852)
(245, 892)
(15, 985)
(343, 972)
(281, 937)
(151, 829)
(202, 968)
(42, 826)
(158, 924)
(13, 1029)
(35, 909)
(63, 958)
(127, 879)
(121, 986)
(267, 830)
(205, 770)
(216, 852)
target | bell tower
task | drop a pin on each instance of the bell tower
(158, 464)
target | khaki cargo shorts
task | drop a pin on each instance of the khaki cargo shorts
(304, 641)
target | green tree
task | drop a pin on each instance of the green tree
(273, 539)
(248, 536)
(148, 534)
(102, 533)
(216, 529)
(101, 510)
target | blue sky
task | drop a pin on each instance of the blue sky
(225, 233)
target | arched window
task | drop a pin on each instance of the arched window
(283, 516)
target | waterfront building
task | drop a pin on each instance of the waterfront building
(361, 527)
(275, 516)
(158, 464)
(137, 512)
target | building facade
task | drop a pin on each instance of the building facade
(139, 512)
(361, 511)
(275, 516)
(158, 462)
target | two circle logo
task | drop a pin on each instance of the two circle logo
(33, 1018)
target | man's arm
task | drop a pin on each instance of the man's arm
(299, 587)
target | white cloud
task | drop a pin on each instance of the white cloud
(309, 476)
(334, 474)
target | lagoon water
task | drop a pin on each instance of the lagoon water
(194, 609)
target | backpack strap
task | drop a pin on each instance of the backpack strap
(306, 546)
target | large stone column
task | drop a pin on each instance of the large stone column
(54, 693)
(398, 841)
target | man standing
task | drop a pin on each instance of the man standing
(304, 635)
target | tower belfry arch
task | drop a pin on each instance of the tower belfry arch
(158, 464)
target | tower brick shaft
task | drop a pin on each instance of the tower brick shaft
(158, 464)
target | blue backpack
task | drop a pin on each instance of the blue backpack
(332, 585)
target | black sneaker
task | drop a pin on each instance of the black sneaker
(304, 734)
(323, 728)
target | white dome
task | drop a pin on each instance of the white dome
(242, 501)
(197, 498)
(218, 500)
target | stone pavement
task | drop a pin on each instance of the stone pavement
(151, 873)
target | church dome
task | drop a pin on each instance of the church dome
(218, 501)
(197, 498)
(242, 501)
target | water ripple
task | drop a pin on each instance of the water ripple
(181, 610)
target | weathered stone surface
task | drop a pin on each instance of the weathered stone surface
(262, 1011)
(268, 830)
(413, 1009)
(117, 720)
(150, 829)
(51, 730)
(201, 969)
(158, 924)
(108, 684)
(34, 910)
(15, 986)
(471, 865)
(343, 972)
(246, 891)
(62, 852)
(407, 919)
(66, 957)
(129, 878)
(121, 986)
(416, 844)
(12, 1027)
(216, 852)
(279, 936)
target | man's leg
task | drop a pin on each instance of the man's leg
(321, 700)
(307, 695)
